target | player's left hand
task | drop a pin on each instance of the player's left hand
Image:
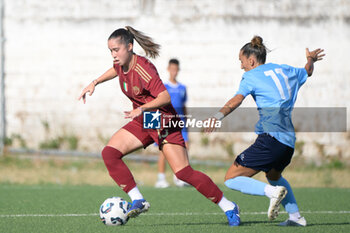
(132, 114)
(315, 55)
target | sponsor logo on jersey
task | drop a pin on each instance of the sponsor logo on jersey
(136, 90)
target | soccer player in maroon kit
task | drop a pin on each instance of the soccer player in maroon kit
(140, 82)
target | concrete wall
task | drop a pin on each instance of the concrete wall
(55, 48)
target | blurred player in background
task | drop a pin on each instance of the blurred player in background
(140, 82)
(274, 89)
(178, 95)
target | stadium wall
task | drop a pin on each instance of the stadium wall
(55, 48)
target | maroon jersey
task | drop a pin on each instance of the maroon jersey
(141, 84)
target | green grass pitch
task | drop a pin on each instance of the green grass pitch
(55, 208)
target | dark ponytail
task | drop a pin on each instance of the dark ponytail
(128, 35)
(257, 48)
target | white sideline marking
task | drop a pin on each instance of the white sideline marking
(45, 215)
(166, 214)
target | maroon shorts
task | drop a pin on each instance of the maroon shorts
(159, 136)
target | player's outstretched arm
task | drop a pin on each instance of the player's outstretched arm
(231, 105)
(313, 57)
(108, 75)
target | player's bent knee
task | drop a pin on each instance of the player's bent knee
(272, 178)
(110, 153)
(184, 173)
(273, 175)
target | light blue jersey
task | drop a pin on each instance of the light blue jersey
(274, 89)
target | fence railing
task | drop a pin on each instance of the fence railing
(132, 157)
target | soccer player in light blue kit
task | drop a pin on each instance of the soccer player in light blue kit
(274, 89)
(178, 95)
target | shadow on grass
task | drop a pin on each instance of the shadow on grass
(246, 223)
(243, 224)
(249, 223)
(329, 224)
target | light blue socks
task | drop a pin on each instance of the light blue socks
(246, 185)
(251, 186)
(289, 203)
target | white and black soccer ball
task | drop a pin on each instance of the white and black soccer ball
(113, 211)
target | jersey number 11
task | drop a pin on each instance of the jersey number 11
(277, 81)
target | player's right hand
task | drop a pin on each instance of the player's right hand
(89, 89)
(211, 127)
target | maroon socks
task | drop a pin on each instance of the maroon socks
(201, 182)
(122, 176)
(117, 168)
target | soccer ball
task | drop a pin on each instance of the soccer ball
(113, 211)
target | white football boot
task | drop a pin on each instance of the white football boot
(301, 222)
(275, 201)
